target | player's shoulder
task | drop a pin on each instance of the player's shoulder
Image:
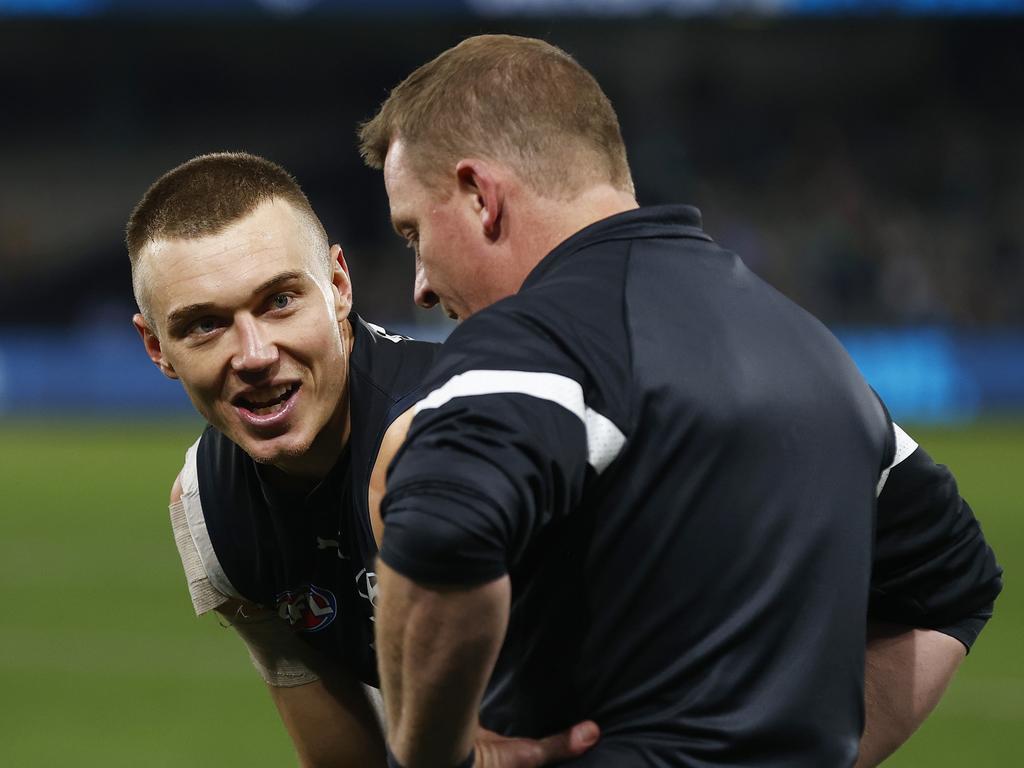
(383, 340)
(176, 489)
(392, 363)
(543, 328)
(210, 455)
(505, 331)
(187, 474)
(190, 519)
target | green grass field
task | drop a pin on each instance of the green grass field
(103, 664)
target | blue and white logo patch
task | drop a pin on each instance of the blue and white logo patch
(309, 609)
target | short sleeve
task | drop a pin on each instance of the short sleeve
(932, 565)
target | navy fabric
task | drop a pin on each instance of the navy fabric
(703, 598)
(931, 562)
(310, 556)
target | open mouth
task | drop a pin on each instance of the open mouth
(268, 403)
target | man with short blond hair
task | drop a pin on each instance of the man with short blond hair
(275, 511)
(191, 201)
(481, 99)
(643, 487)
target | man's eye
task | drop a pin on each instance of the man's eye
(280, 301)
(203, 326)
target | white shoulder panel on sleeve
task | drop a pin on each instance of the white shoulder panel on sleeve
(207, 582)
(604, 439)
(905, 445)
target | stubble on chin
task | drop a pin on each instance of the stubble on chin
(280, 455)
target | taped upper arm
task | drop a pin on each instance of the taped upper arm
(205, 596)
(281, 658)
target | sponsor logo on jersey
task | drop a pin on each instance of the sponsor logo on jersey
(366, 586)
(309, 609)
(366, 583)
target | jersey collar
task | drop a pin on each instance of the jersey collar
(648, 221)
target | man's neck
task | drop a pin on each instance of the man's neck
(552, 222)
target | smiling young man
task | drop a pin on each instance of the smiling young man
(274, 513)
(644, 487)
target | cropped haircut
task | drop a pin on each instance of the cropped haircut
(203, 197)
(517, 100)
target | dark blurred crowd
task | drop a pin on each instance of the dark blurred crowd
(871, 170)
(938, 238)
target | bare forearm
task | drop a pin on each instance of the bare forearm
(330, 727)
(906, 673)
(436, 650)
(323, 706)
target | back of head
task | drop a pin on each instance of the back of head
(203, 197)
(517, 100)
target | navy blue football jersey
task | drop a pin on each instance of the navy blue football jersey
(679, 469)
(309, 556)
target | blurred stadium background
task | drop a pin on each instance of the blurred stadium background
(865, 157)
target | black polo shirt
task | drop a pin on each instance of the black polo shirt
(678, 468)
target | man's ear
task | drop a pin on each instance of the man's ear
(341, 282)
(487, 192)
(153, 348)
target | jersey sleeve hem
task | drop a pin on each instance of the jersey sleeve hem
(424, 571)
(967, 630)
(442, 534)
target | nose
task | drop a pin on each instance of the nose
(423, 294)
(255, 351)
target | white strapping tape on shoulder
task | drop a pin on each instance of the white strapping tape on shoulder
(905, 446)
(197, 526)
(604, 439)
(204, 596)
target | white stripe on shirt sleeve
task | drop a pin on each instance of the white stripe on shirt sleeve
(905, 446)
(604, 439)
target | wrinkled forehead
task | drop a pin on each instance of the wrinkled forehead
(225, 267)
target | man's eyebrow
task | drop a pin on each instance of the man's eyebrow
(178, 316)
(184, 313)
(283, 277)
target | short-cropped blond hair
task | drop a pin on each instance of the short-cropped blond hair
(518, 100)
(203, 197)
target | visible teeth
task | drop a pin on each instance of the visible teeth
(270, 394)
(268, 401)
(263, 410)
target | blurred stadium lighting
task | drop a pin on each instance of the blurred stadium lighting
(624, 7)
(869, 168)
(288, 6)
(52, 7)
(491, 8)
